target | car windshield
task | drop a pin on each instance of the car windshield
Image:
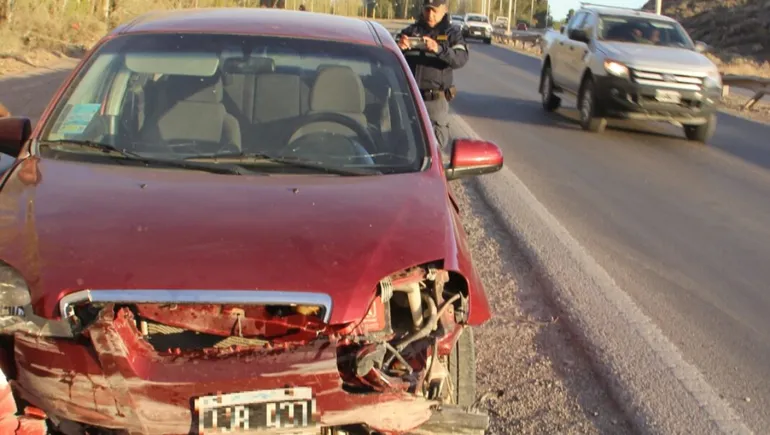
(643, 31)
(233, 99)
(477, 19)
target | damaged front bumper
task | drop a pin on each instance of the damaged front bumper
(119, 363)
(125, 384)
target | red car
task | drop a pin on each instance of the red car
(237, 219)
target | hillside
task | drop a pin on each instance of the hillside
(733, 27)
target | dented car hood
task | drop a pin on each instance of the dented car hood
(78, 226)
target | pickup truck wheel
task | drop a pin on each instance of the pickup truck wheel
(488, 41)
(550, 101)
(462, 370)
(587, 107)
(703, 132)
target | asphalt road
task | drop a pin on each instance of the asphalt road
(683, 228)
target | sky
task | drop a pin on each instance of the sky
(559, 8)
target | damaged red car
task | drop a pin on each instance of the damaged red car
(237, 220)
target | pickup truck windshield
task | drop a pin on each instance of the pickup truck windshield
(477, 19)
(643, 31)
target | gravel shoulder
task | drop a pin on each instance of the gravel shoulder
(532, 378)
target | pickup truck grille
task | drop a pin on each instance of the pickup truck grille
(667, 80)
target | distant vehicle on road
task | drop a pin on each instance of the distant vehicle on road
(477, 26)
(459, 21)
(285, 249)
(624, 63)
(522, 27)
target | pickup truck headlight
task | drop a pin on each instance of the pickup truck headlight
(616, 68)
(713, 80)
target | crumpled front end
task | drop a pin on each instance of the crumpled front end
(179, 367)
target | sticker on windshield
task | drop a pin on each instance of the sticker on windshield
(78, 118)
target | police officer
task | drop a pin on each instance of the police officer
(443, 50)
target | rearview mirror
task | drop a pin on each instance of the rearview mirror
(472, 157)
(701, 47)
(578, 35)
(14, 132)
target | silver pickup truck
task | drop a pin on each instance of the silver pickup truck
(628, 64)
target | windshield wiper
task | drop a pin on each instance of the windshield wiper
(107, 148)
(288, 161)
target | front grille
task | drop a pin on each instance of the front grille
(661, 79)
(164, 338)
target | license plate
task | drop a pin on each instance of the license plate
(668, 96)
(254, 410)
(476, 33)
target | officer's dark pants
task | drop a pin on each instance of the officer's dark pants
(438, 110)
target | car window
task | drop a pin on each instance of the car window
(643, 31)
(576, 21)
(6, 162)
(477, 19)
(194, 96)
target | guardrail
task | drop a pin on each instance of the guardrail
(519, 38)
(759, 85)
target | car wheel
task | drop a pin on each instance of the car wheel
(462, 370)
(703, 132)
(550, 101)
(488, 41)
(588, 108)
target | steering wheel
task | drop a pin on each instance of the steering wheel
(345, 121)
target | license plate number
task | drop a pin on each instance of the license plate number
(254, 410)
(668, 96)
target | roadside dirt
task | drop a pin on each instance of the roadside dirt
(531, 377)
(760, 112)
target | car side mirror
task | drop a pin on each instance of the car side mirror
(471, 157)
(578, 35)
(701, 47)
(14, 132)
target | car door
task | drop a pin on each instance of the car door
(560, 52)
(577, 52)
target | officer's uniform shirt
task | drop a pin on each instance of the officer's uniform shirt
(433, 71)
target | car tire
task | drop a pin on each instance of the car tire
(588, 109)
(462, 369)
(488, 41)
(703, 132)
(550, 101)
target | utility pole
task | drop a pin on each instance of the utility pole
(659, 7)
(510, 6)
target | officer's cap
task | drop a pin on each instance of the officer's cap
(433, 3)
